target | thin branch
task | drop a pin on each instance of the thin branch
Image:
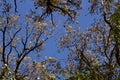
(4, 47)
(25, 54)
(9, 54)
(38, 37)
(80, 52)
(105, 19)
(52, 19)
(15, 4)
(111, 54)
(12, 38)
(16, 50)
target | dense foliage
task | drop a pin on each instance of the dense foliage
(92, 55)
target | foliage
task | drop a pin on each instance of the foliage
(63, 7)
(93, 51)
(92, 55)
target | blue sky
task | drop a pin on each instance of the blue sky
(85, 20)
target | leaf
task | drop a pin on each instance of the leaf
(52, 76)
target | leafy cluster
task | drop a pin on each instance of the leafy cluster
(93, 54)
(63, 7)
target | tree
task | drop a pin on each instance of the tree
(110, 11)
(18, 42)
(15, 48)
(93, 54)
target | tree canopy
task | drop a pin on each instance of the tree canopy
(93, 54)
